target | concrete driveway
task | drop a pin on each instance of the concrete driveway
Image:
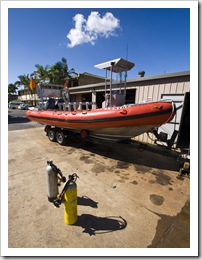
(129, 196)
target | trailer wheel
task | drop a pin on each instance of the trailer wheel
(51, 135)
(60, 137)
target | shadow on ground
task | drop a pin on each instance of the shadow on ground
(86, 201)
(170, 227)
(131, 152)
(14, 120)
(93, 225)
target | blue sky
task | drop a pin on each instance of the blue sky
(157, 39)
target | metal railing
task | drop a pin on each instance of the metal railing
(74, 106)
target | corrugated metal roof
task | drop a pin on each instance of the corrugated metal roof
(161, 76)
(91, 75)
(118, 65)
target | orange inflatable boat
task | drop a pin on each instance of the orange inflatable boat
(120, 122)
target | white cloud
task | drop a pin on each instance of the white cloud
(89, 30)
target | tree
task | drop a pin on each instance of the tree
(12, 88)
(41, 75)
(24, 80)
(59, 72)
(55, 74)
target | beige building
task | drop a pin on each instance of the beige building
(139, 89)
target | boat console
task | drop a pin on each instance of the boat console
(118, 66)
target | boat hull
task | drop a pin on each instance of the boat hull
(118, 134)
(126, 121)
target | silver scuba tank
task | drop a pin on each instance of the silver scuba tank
(52, 181)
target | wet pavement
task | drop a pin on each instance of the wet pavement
(129, 195)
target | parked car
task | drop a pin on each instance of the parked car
(32, 107)
(23, 106)
(14, 105)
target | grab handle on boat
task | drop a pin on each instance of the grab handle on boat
(124, 111)
(159, 107)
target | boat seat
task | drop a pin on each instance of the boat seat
(50, 104)
(59, 103)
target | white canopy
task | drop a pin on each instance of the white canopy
(117, 65)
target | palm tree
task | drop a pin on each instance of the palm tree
(24, 80)
(59, 72)
(12, 88)
(41, 74)
(55, 74)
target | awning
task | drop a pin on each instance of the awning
(117, 65)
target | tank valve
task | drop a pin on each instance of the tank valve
(72, 179)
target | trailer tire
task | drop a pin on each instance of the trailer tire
(52, 135)
(60, 137)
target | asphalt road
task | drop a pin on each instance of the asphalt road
(17, 120)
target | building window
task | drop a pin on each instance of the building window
(130, 96)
